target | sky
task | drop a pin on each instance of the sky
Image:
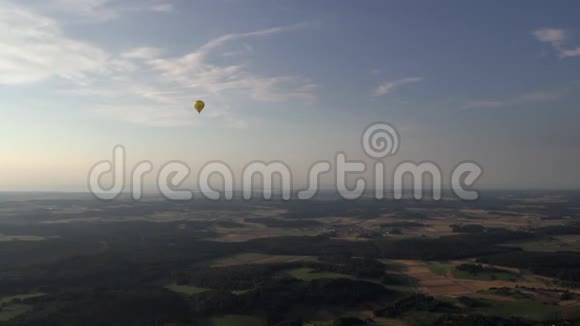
(493, 82)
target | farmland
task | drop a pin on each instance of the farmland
(319, 262)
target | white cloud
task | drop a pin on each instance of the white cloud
(280, 89)
(140, 85)
(570, 53)
(194, 70)
(556, 38)
(550, 35)
(162, 7)
(93, 11)
(33, 48)
(542, 96)
(246, 49)
(528, 98)
(80, 10)
(388, 87)
(144, 53)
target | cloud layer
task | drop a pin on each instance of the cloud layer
(34, 48)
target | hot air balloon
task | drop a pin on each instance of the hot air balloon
(199, 105)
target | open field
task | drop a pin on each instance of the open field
(10, 299)
(396, 263)
(439, 279)
(449, 269)
(554, 244)
(10, 306)
(530, 297)
(185, 289)
(309, 274)
(257, 258)
(240, 235)
(248, 231)
(527, 309)
(14, 310)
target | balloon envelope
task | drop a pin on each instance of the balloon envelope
(199, 105)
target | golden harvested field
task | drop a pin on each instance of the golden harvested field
(245, 234)
(447, 285)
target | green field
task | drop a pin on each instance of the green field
(239, 292)
(257, 258)
(523, 308)
(185, 289)
(309, 274)
(441, 269)
(393, 266)
(526, 309)
(485, 276)
(558, 243)
(9, 299)
(13, 310)
(507, 292)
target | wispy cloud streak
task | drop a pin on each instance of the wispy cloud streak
(35, 49)
(390, 86)
(556, 38)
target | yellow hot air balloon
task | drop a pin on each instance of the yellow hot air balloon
(199, 105)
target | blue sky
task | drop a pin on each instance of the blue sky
(492, 82)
